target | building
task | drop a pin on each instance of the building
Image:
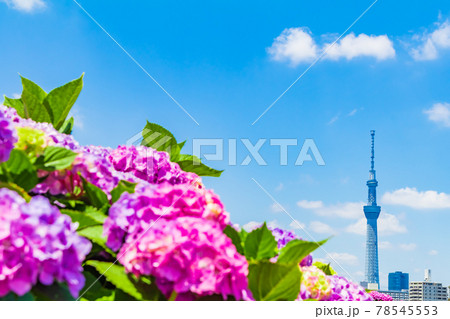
(427, 290)
(398, 281)
(402, 295)
(372, 212)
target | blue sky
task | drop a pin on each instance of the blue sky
(226, 62)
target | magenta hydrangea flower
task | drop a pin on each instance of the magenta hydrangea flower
(150, 165)
(38, 243)
(283, 237)
(189, 256)
(133, 213)
(95, 169)
(8, 137)
(378, 296)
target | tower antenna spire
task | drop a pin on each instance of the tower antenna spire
(372, 162)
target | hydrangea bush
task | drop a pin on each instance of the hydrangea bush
(132, 223)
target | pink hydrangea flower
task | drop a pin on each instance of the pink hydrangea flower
(378, 296)
(38, 243)
(189, 256)
(150, 165)
(133, 213)
(315, 284)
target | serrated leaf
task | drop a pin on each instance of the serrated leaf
(95, 195)
(95, 234)
(55, 158)
(297, 249)
(90, 217)
(159, 138)
(116, 275)
(33, 97)
(260, 244)
(19, 170)
(235, 237)
(60, 100)
(122, 186)
(269, 281)
(16, 104)
(191, 163)
(326, 268)
(94, 290)
(67, 127)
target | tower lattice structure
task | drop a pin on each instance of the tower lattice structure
(372, 212)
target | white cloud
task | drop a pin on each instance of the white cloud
(352, 112)
(251, 226)
(333, 119)
(321, 228)
(78, 118)
(384, 245)
(295, 224)
(388, 224)
(412, 198)
(379, 47)
(343, 258)
(432, 42)
(310, 204)
(433, 252)
(254, 224)
(25, 5)
(276, 208)
(294, 45)
(279, 187)
(350, 210)
(408, 247)
(439, 113)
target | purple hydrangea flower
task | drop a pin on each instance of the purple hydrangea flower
(38, 243)
(54, 137)
(189, 256)
(8, 137)
(283, 237)
(343, 289)
(133, 213)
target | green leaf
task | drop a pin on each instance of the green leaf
(67, 127)
(95, 234)
(326, 268)
(296, 250)
(269, 281)
(191, 163)
(160, 139)
(33, 97)
(116, 275)
(181, 145)
(60, 100)
(260, 244)
(89, 217)
(55, 158)
(13, 297)
(95, 195)
(94, 290)
(123, 186)
(55, 292)
(16, 104)
(236, 239)
(19, 170)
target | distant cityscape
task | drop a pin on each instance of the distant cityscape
(399, 286)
